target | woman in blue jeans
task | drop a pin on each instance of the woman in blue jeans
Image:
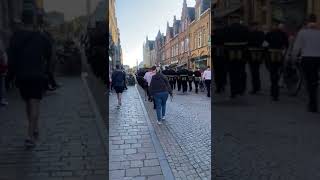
(160, 90)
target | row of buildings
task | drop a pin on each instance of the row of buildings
(267, 12)
(11, 13)
(184, 44)
(115, 50)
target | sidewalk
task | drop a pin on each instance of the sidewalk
(69, 147)
(135, 152)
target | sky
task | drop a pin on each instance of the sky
(141, 18)
(70, 8)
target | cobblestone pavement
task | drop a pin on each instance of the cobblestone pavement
(186, 134)
(133, 154)
(260, 139)
(69, 147)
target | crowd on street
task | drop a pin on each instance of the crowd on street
(235, 45)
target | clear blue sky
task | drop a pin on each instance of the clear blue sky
(141, 18)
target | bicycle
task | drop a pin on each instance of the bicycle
(292, 75)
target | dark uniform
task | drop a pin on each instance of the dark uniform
(178, 79)
(278, 43)
(166, 72)
(236, 40)
(190, 79)
(172, 78)
(219, 62)
(255, 57)
(197, 78)
(183, 74)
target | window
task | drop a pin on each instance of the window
(178, 48)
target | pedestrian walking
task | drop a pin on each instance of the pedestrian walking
(190, 78)
(236, 41)
(183, 73)
(28, 51)
(256, 38)
(278, 43)
(197, 79)
(160, 90)
(308, 45)
(148, 77)
(219, 63)
(118, 83)
(207, 80)
(3, 72)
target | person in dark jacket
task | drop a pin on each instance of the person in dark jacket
(278, 43)
(118, 81)
(160, 90)
(235, 43)
(28, 51)
(255, 41)
(190, 79)
(197, 79)
(219, 62)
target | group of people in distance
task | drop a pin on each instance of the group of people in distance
(236, 44)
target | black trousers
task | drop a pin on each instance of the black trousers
(255, 75)
(172, 84)
(190, 86)
(196, 84)
(238, 76)
(208, 86)
(220, 72)
(310, 66)
(184, 86)
(275, 71)
(179, 84)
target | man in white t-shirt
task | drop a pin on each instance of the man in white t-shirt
(207, 79)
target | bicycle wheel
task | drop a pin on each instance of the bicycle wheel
(293, 77)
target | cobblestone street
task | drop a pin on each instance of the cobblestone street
(260, 139)
(186, 134)
(70, 146)
(178, 149)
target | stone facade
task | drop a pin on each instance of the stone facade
(174, 49)
(115, 50)
(200, 31)
(149, 55)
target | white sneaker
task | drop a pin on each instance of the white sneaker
(163, 117)
(159, 122)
